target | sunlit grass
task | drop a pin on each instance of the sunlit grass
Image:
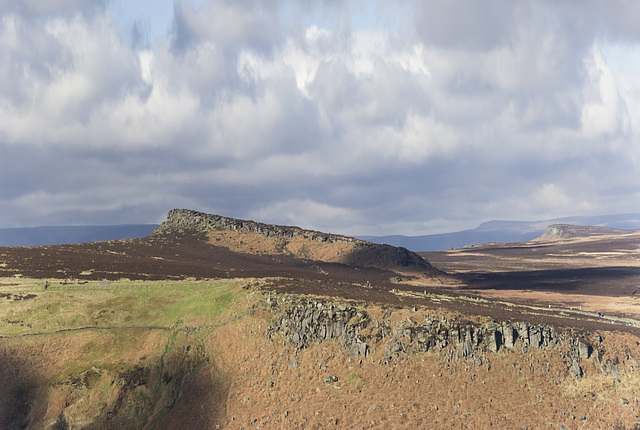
(115, 304)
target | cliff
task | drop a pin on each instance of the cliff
(304, 322)
(190, 220)
(253, 237)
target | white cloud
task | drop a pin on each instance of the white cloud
(446, 117)
(604, 113)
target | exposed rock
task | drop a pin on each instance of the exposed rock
(613, 369)
(293, 363)
(494, 340)
(508, 335)
(569, 231)
(304, 321)
(576, 370)
(330, 379)
(584, 350)
(362, 253)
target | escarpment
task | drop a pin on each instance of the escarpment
(267, 239)
(303, 322)
(190, 220)
(569, 231)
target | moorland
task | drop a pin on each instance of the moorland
(213, 322)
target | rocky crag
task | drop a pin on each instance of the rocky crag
(190, 220)
(304, 321)
(569, 231)
(359, 253)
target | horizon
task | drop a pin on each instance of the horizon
(373, 235)
(354, 117)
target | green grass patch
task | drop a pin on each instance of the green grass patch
(117, 304)
(74, 373)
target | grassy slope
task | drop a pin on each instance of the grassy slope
(30, 309)
(207, 363)
(96, 355)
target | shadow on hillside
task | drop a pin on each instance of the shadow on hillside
(610, 281)
(22, 398)
(182, 390)
(388, 257)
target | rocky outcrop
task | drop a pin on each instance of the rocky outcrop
(190, 220)
(304, 321)
(556, 232)
(308, 321)
(360, 253)
(569, 231)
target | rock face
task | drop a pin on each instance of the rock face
(308, 321)
(361, 253)
(304, 321)
(190, 220)
(556, 232)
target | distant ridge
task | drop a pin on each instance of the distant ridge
(569, 231)
(63, 235)
(503, 231)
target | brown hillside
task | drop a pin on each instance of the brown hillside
(190, 244)
(304, 329)
(250, 237)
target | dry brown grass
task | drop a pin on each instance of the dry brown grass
(297, 246)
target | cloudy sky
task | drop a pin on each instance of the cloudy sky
(356, 117)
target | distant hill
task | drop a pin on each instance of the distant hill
(62, 235)
(568, 231)
(251, 237)
(194, 245)
(502, 231)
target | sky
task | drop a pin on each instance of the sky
(353, 117)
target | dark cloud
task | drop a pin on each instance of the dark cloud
(286, 113)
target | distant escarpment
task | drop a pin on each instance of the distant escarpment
(251, 237)
(569, 231)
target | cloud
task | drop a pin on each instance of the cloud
(415, 118)
(603, 113)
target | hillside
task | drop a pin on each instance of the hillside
(255, 238)
(568, 231)
(194, 245)
(214, 322)
(503, 231)
(165, 355)
(576, 267)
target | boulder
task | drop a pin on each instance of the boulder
(576, 370)
(330, 379)
(493, 340)
(508, 335)
(584, 349)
